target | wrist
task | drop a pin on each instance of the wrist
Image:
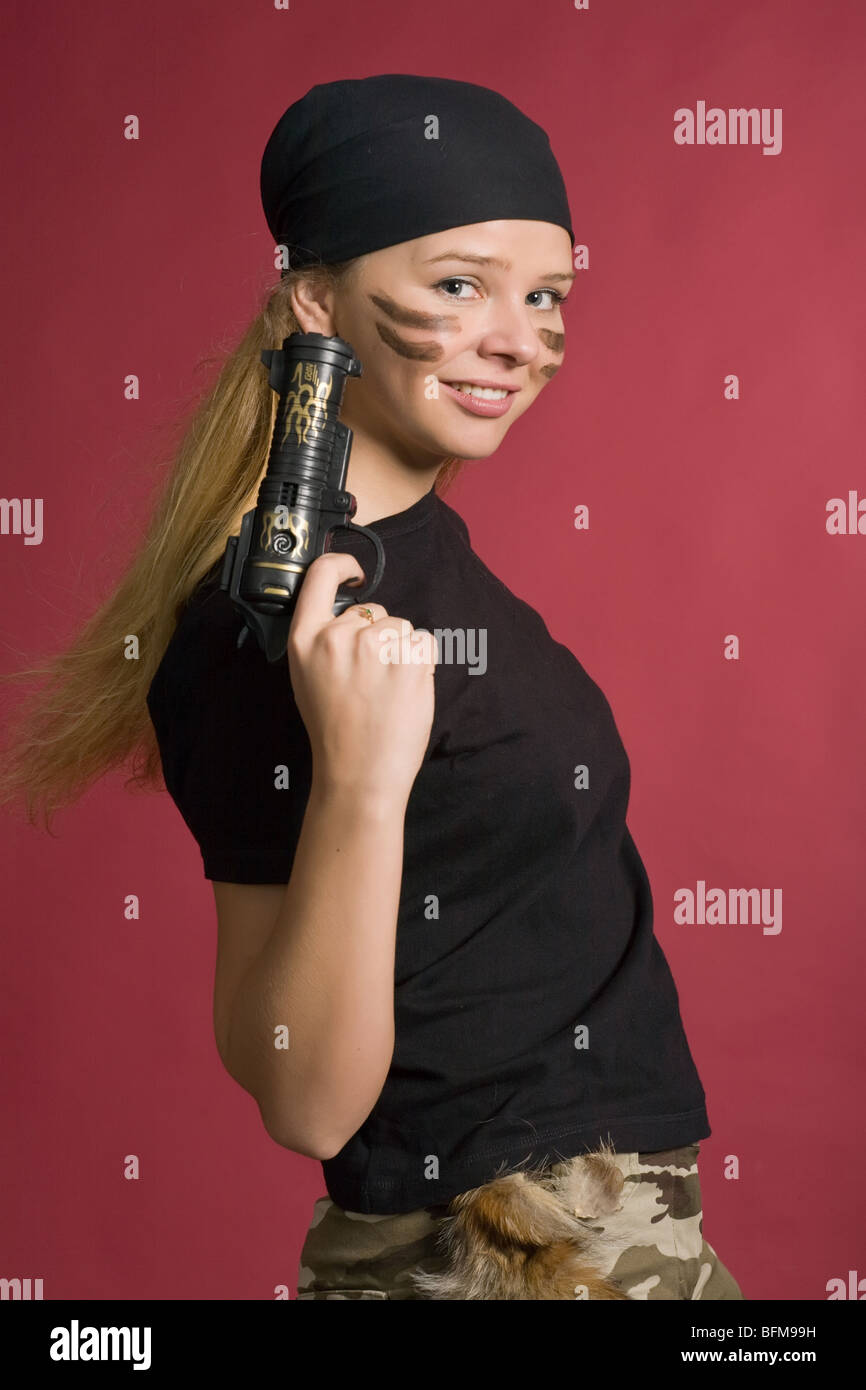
(337, 793)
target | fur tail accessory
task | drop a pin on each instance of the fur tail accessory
(520, 1236)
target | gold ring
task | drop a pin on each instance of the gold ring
(365, 612)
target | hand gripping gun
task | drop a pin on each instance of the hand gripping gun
(302, 500)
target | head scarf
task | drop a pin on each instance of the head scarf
(361, 164)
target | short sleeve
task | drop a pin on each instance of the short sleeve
(235, 753)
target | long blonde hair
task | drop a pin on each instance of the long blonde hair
(89, 716)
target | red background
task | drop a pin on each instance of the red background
(707, 518)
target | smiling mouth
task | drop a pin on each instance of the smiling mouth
(484, 393)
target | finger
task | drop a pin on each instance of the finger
(400, 641)
(356, 611)
(389, 623)
(315, 603)
(425, 641)
(431, 644)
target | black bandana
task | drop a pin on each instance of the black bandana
(358, 165)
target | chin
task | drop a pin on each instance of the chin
(464, 449)
(472, 442)
(473, 455)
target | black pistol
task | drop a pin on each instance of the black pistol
(302, 499)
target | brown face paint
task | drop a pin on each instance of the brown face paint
(414, 318)
(555, 341)
(418, 352)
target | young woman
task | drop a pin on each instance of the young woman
(435, 953)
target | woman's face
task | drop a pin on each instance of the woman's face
(473, 305)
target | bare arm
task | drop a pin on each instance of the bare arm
(318, 957)
(326, 972)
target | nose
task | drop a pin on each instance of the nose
(509, 332)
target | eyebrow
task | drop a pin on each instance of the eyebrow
(494, 260)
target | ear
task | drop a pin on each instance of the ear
(312, 301)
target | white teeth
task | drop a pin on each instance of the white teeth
(487, 393)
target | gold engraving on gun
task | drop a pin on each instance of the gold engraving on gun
(282, 520)
(306, 403)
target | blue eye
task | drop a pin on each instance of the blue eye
(557, 297)
(460, 280)
(453, 280)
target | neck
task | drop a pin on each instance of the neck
(382, 491)
(384, 477)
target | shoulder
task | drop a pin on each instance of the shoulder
(207, 625)
(453, 522)
(457, 532)
(208, 609)
(524, 623)
(204, 674)
(457, 528)
(234, 750)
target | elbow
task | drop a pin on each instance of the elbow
(324, 1151)
(287, 1134)
(297, 1140)
(317, 1136)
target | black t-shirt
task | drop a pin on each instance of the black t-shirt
(535, 1012)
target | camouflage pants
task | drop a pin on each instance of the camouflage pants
(658, 1236)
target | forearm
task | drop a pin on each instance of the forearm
(326, 975)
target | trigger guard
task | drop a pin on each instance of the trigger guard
(343, 600)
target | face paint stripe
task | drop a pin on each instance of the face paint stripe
(551, 369)
(414, 318)
(555, 341)
(418, 352)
